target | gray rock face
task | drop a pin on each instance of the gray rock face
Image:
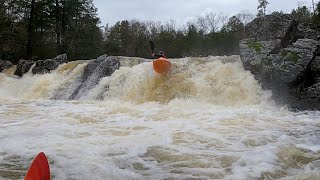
(315, 67)
(45, 66)
(101, 67)
(254, 54)
(41, 66)
(23, 67)
(292, 62)
(5, 65)
(308, 31)
(268, 28)
(310, 98)
(285, 59)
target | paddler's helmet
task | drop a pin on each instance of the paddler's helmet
(160, 54)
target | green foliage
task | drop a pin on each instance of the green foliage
(43, 29)
(284, 53)
(302, 14)
(262, 4)
(262, 8)
(254, 45)
(46, 28)
(277, 13)
(234, 25)
(127, 38)
(260, 13)
(130, 38)
(291, 56)
(198, 38)
(266, 62)
(316, 16)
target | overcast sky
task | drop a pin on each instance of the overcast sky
(111, 11)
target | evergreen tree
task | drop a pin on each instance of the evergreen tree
(316, 16)
(302, 14)
(38, 29)
(234, 25)
(262, 8)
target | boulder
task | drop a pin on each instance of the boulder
(269, 27)
(284, 56)
(40, 66)
(308, 31)
(23, 67)
(45, 66)
(5, 65)
(254, 53)
(291, 63)
(101, 67)
(309, 99)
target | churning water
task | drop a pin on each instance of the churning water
(207, 119)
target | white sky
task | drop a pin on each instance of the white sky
(111, 11)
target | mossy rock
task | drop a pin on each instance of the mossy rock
(293, 57)
(290, 56)
(254, 45)
(284, 53)
(266, 62)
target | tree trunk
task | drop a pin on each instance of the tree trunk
(314, 12)
(64, 27)
(30, 30)
(57, 12)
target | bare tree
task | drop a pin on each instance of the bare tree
(171, 25)
(314, 12)
(202, 23)
(245, 17)
(153, 28)
(211, 22)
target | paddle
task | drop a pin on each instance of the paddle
(39, 169)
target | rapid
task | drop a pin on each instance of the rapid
(207, 119)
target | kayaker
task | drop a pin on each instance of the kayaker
(159, 54)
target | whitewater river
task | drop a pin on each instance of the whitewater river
(207, 119)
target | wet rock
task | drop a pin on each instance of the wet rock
(41, 66)
(310, 98)
(285, 59)
(5, 65)
(254, 54)
(291, 63)
(45, 66)
(23, 67)
(315, 67)
(101, 67)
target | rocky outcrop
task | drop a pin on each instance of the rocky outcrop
(285, 59)
(23, 67)
(268, 28)
(45, 66)
(40, 66)
(101, 67)
(5, 65)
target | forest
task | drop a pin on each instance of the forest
(40, 29)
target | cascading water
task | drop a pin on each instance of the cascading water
(207, 119)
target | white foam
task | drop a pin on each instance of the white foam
(124, 140)
(197, 134)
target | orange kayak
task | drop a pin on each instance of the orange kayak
(39, 169)
(161, 65)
